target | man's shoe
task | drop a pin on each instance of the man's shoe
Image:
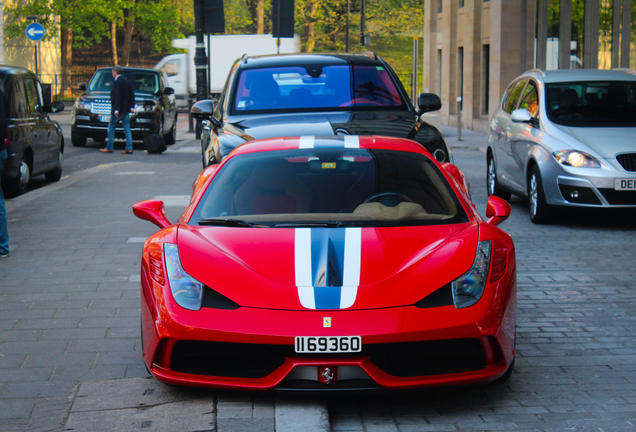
(4, 255)
(105, 150)
(127, 152)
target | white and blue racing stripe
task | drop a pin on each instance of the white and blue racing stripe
(327, 266)
(344, 141)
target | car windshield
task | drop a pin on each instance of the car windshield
(141, 81)
(312, 87)
(593, 104)
(329, 187)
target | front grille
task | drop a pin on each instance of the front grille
(408, 359)
(627, 161)
(228, 359)
(615, 197)
(101, 106)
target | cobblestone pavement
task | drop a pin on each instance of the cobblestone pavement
(69, 319)
(576, 361)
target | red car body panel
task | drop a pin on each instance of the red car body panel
(399, 267)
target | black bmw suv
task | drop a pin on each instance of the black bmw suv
(314, 94)
(155, 110)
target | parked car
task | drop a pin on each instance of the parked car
(565, 138)
(320, 263)
(35, 143)
(155, 109)
(314, 94)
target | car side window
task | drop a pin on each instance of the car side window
(172, 67)
(530, 99)
(34, 99)
(16, 99)
(512, 96)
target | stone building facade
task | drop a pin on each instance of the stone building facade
(474, 48)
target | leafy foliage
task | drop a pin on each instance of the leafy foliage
(90, 19)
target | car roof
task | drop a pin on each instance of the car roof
(131, 69)
(265, 61)
(569, 75)
(365, 141)
(4, 70)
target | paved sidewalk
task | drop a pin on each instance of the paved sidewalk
(69, 311)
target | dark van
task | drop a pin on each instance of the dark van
(35, 142)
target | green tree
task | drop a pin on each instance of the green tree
(83, 23)
(161, 20)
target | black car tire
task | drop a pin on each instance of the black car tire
(78, 141)
(56, 174)
(20, 184)
(494, 188)
(540, 211)
(171, 137)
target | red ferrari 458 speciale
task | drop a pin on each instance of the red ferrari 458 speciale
(329, 263)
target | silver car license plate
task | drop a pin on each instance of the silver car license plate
(328, 344)
(624, 184)
(104, 119)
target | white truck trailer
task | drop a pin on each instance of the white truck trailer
(225, 49)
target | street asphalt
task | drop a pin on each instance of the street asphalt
(69, 318)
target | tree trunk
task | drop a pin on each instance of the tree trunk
(67, 62)
(256, 9)
(310, 28)
(113, 40)
(127, 36)
(260, 17)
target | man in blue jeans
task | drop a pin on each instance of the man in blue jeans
(4, 226)
(122, 100)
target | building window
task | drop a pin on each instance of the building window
(439, 6)
(485, 78)
(461, 3)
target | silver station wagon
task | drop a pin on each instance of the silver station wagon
(565, 138)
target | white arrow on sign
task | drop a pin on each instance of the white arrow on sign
(32, 32)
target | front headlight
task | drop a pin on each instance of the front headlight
(577, 159)
(468, 289)
(146, 106)
(187, 291)
(82, 104)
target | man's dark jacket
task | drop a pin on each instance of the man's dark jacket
(122, 97)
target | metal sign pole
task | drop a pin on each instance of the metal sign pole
(35, 32)
(36, 60)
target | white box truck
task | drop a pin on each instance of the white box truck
(225, 49)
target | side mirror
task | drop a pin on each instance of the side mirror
(497, 210)
(82, 86)
(428, 102)
(168, 91)
(203, 109)
(57, 107)
(153, 211)
(522, 115)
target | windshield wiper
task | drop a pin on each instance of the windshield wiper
(326, 224)
(230, 223)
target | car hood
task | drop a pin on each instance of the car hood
(604, 142)
(389, 123)
(327, 268)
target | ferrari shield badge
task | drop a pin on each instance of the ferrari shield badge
(326, 322)
(327, 375)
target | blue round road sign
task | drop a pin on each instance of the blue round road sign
(35, 31)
